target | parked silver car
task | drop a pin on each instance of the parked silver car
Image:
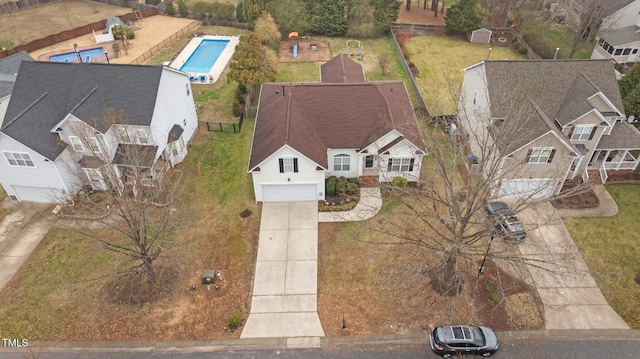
(461, 339)
(507, 221)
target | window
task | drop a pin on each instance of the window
(142, 136)
(288, 164)
(94, 145)
(342, 162)
(582, 133)
(76, 143)
(475, 97)
(618, 52)
(541, 155)
(124, 135)
(400, 164)
(19, 159)
(626, 51)
(635, 51)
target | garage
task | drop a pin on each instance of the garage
(290, 192)
(37, 194)
(535, 188)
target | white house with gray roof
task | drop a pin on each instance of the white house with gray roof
(619, 35)
(57, 134)
(550, 121)
(8, 72)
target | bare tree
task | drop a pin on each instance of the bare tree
(588, 27)
(129, 189)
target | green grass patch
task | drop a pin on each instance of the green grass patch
(298, 72)
(555, 36)
(441, 61)
(611, 249)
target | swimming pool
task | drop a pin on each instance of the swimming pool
(88, 55)
(205, 57)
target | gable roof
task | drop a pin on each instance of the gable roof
(46, 92)
(341, 69)
(560, 88)
(312, 118)
(8, 71)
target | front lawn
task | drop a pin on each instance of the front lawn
(611, 250)
(441, 60)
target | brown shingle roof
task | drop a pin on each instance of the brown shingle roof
(314, 117)
(341, 69)
(560, 87)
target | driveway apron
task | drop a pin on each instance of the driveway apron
(571, 297)
(285, 288)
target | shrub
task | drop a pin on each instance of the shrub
(130, 34)
(331, 189)
(352, 188)
(152, 2)
(449, 31)
(169, 9)
(353, 180)
(267, 30)
(399, 182)
(342, 179)
(236, 108)
(523, 50)
(332, 179)
(337, 208)
(493, 299)
(182, 8)
(402, 37)
(341, 187)
(239, 16)
(234, 321)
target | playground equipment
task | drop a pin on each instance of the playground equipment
(348, 50)
(294, 42)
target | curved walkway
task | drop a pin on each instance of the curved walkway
(606, 208)
(368, 206)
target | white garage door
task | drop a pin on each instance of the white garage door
(289, 192)
(37, 194)
(535, 188)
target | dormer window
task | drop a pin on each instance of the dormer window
(76, 143)
(583, 132)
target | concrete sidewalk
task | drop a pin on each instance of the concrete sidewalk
(285, 287)
(20, 232)
(368, 206)
(571, 297)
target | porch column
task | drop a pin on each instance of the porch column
(624, 155)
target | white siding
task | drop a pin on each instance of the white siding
(4, 103)
(174, 105)
(46, 175)
(473, 117)
(354, 161)
(270, 173)
(403, 149)
(624, 17)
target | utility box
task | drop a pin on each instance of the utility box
(208, 276)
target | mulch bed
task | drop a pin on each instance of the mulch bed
(582, 199)
(321, 54)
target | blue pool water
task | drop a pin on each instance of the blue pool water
(72, 56)
(204, 56)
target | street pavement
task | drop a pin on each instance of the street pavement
(285, 287)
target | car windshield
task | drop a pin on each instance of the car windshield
(514, 224)
(478, 337)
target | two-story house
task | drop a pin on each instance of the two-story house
(548, 121)
(619, 35)
(73, 125)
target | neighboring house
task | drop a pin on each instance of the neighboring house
(551, 121)
(67, 125)
(341, 126)
(615, 13)
(619, 35)
(8, 72)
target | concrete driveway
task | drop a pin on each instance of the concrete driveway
(285, 287)
(571, 297)
(20, 232)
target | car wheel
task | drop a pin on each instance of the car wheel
(488, 354)
(446, 355)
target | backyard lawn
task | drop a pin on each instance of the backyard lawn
(554, 36)
(611, 250)
(441, 60)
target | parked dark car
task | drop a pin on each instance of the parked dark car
(506, 221)
(462, 339)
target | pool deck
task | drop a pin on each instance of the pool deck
(217, 68)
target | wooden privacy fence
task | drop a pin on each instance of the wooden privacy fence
(13, 6)
(164, 43)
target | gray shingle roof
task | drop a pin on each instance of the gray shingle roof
(624, 136)
(313, 117)
(560, 88)
(46, 92)
(8, 70)
(622, 36)
(612, 6)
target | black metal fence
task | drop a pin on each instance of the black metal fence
(221, 127)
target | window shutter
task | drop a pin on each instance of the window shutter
(389, 166)
(593, 132)
(526, 160)
(553, 152)
(281, 162)
(295, 165)
(411, 164)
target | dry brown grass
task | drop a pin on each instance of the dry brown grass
(24, 26)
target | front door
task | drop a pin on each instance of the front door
(368, 161)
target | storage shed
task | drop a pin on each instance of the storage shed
(480, 36)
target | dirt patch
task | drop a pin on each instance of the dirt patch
(321, 53)
(418, 15)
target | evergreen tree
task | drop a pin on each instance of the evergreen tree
(463, 17)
